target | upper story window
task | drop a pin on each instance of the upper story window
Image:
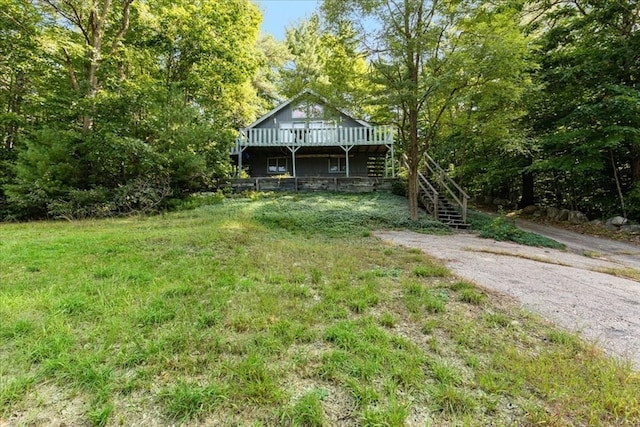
(307, 110)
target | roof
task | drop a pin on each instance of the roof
(295, 98)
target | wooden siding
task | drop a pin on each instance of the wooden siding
(308, 164)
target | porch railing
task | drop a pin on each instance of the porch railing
(266, 137)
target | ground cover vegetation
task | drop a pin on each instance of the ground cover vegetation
(112, 107)
(276, 310)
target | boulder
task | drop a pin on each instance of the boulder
(552, 213)
(617, 221)
(530, 210)
(577, 217)
(596, 222)
(563, 215)
(629, 228)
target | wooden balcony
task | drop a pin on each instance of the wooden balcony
(315, 137)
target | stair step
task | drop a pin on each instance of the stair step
(448, 214)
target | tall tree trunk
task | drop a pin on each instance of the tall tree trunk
(528, 187)
(414, 162)
(635, 163)
(617, 179)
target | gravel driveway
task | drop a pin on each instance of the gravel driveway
(562, 286)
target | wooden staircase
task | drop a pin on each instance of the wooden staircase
(441, 196)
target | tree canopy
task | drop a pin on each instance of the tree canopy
(110, 106)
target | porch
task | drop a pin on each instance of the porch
(306, 142)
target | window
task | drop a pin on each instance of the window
(337, 165)
(277, 165)
(292, 125)
(306, 110)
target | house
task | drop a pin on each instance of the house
(307, 137)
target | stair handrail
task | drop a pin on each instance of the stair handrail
(443, 179)
(432, 193)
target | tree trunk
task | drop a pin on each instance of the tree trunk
(412, 192)
(528, 196)
(14, 106)
(635, 163)
(414, 162)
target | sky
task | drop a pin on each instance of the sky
(279, 14)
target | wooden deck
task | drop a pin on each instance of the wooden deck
(310, 137)
(310, 184)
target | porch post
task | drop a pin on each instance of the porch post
(293, 150)
(240, 153)
(393, 154)
(346, 149)
(393, 162)
(240, 150)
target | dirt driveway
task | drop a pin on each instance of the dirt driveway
(563, 286)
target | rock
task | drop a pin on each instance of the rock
(633, 229)
(563, 215)
(552, 213)
(610, 227)
(530, 210)
(596, 222)
(617, 221)
(577, 217)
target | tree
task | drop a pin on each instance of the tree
(126, 95)
(485, 134)
(90, 33)
(326, 59)
(421, 57)
(588, 115)
(272, 56)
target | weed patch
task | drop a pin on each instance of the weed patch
(504, 229)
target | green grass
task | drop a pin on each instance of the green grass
(502, 229)
(276, 310)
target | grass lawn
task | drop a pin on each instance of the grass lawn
(277, 310)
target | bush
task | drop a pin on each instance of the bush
(80, 204)
(139, 196)
(48, 167)
(63, 174)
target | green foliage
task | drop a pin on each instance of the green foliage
(48, 167)
(504, 229)
(113, 127)
(327, 214)
(586, 115)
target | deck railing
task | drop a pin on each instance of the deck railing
(266, 137)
